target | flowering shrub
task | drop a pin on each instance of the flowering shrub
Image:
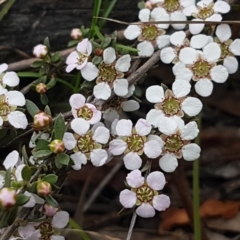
(105, 73)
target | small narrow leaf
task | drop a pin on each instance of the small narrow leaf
(42, 153)
(59, 127)
(47, 43)
(73, 43)
(44, 99)
(47, 110)
(27, 173)
(7, 179)
(62, 159)
(50, 200)
(37, 64)
(52, 82)
(22, 199)
(32, 108)
(56, 57)
(42, 144)
(106, 42)
(50, 178)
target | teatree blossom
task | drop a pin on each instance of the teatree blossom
(174, 9)
(9, 100)
(87, 144)
(46, 229)
(133, 142)
(229, 48)
(9, 79)
(150, 35)
(201, 67)
(177, 142)
(171, 103)
(81, 109)
(205, 10)
(110, 74)
(179, 41)
(144, 193)
(79, 60)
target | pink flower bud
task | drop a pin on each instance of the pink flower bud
(57, 146)
(41, 121)
(76, 33)
(149, 5)
(49, 210)
(40, 51)
(44, 189)
(7, 197)
(41, 88)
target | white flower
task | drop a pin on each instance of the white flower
(206, 10)
(134, 142)
(81, 109)
(111, 75)
(86, 144)
(171, 103)
(177, 136)
(179, 41)
(229, 48)
(9, 100)
(150, 35)
(79, 60)
(40, 51)
(144, 193)
(201, 67)
(10, 79)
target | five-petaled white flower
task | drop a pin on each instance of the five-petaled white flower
(10, 79)
(229, 48)
(176, 137)
(179, 41)
(81, 109)
(134, 142)
(171, 103)
(86, 144)
(150, 35)
(201, 67)
(144, 193)
(9, 100)
(79, 60)
(205, 10)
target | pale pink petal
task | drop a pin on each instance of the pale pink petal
(221, 7)
(153, 117)
(123, 63)
(11, 79)
(145, 210)
(98, 157)
(144, 15)
(191, 152)
(156, 180)
(189, 131)
(80, 126)
(184, 74)
(117, 147)
(11, 160)
(186, 3)
(235, 47)
(231, 64)
(78, 159)
(130, 105)
(219, 74)
(135, 179)
(124, 127)
(120, 87)
(204, 87)
(223, 32)
(156, 138)
(155, 94)
(188, 55)
(89, 72)
(160, 14)
(25, 231)
(109, 55)
(127, 198)
(132, 32)
(212, 52)
(167, 125)
(203, 3)
(181, 88)
(102, 91)
(145, 49)
(77, 101)
(60, 219)
(177, 38)
(192, 106)
(152, 149)
(161, 202)
(101, 135)
(69, 141)
(84, 47)
(168, 163)
(167, 55)
(142, 127)
(215, 17)
(57, 237)
(70, 67)
(132, 161)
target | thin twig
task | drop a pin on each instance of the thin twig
(132, 224)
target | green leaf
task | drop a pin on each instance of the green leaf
(32, 108)
(37, 64)
(51, 83)
(56, 57)
(96, 10)
(95, 44)
(42, 144)
(44, 99)
(43, 79)
(50, 200)
(106, 42)
(96, 60)
(22, 199)
(73, 43)
(62, 159)
(124, 47)
(32, 187)
(17, 185)
(47, 110)
(24, 154)
(28, 74)
(44, 69)
(141, 5)
(98, 33)
(47, 43)
(7, 179)
(50, 178)
(59, 127)
(13, 133)
(42, 153)
(13, 215)
(27, 173)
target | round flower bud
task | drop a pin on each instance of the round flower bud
(7, 197)
(41, 88)
(57, 146)
(41, 121)
(98, 51)
(76, 33)
(44, 189)
(40, 51)
(49, 210)
(149, 5)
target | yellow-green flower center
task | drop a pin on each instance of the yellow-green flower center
(85, 112)
(171, 5)
(224, 50)
(5, 109)
(85, 143)
(82, 57)
(150, 32)
(135, 142)
(108, 73)
(171, 106)
(205, 12)
(46, 230)
(201, 69)
(173, 143)
(144, 194)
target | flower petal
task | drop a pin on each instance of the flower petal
(192, 106)
(11, 160)
(167, 55)
(191, 152)
(178, 16)
(11, 79)
(145, 49)
(156, 180)
(219, 74)
(101, 135)
(142, 127)
(60, 219)
(69, 141)
(161, 202)
(204, 87)
(221, 7)
(3, 68)
(152, 149)
(199, 41)
(168, 163)
(89, 72)
(153, 117)
(77, 101)
(160, 14)
(144, 15)
(120, 87)
(135, 179)
(177, 38)
(235, 47)
(231, 64)
(99, 157)
(130, 106)
(189, 131)
(109, 55)
(223, 32)
(189, 10)
(188, 55)
(17, 119)
(80, 126)
(196, 28)
(123, 63)
(132, 32)
(181, 88)
(127, 198)
(84, 47)
(25, 231)
(155, 94)
(212, 52)
(78, 159)
(102, 91)
(117, 147)
(132, 161)
(167, 125)
(16, 98)
(145, 210)
(124, 128)
(162, 41)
